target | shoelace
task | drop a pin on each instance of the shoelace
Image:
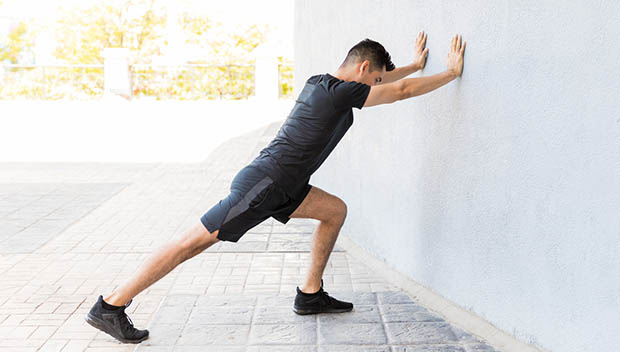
(326, 295)
(130, 326)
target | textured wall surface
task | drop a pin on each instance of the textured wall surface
(501, 190)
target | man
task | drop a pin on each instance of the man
(275, 184)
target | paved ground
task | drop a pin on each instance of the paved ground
(69, 232)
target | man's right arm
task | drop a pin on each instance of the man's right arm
(407, 88)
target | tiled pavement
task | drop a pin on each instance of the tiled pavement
(69, 232)
(380, 321)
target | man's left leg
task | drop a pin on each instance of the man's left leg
(193, 242)
(109, 314)
(331, 211)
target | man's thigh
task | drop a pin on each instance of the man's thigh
(320, 205)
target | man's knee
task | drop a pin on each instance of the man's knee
(340, 212)
(199, 239)
(322, 206)
(343, 207)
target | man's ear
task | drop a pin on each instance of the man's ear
(364, 67)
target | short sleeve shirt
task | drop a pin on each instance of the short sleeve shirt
(321, 116)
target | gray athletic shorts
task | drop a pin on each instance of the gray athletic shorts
(253, 198)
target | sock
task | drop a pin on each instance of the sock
(109, 306)
(309, 294)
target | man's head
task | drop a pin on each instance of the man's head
(367, 62)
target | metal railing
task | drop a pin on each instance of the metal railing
(193, 82)
(51, 81)
(185, 82)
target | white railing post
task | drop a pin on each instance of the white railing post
(116, 72)
(266, 75)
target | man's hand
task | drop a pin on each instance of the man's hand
(420, 53)
(455, 56)
(419, 61)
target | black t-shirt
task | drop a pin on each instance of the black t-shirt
(321, 116)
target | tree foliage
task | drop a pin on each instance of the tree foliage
(82, 34)
(218, 43)
(19, 41)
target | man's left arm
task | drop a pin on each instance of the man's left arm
(419, 61)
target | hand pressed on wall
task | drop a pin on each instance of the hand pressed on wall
(420, 53)
(455, 55)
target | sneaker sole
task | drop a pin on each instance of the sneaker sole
(302, 311)
(105, 327)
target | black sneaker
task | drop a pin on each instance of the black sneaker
(319, 302)
(115, 323)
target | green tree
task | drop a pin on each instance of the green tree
(82, 34)
(19, 40)
(227, 47)
(222, 44)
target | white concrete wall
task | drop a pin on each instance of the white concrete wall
(501, 190)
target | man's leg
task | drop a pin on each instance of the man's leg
(162, 261)
(108, 315)
(331, 211)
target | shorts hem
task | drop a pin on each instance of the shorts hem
(285, 217)
(210, 227)
(282, 220)
(229, 237)
(221, 235)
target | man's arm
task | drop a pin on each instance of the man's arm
(407, 88)
(398, 73)
(411, 87)
(419, 61)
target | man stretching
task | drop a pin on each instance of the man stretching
(275, 184)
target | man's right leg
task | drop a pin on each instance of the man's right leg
(331, 211)
(193, 242)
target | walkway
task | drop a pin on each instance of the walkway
(69, 232)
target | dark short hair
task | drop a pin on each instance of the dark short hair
(372, 51)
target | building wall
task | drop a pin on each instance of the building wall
(501, 190)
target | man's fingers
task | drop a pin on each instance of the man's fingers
(463, 48)
(420, 42)
(453, 44)
(458, 43)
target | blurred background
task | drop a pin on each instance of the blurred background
(139, 80)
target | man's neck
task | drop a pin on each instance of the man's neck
(343, 74)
